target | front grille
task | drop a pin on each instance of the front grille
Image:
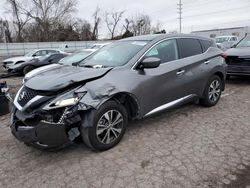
(25, 96)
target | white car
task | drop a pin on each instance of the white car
(226, 41)
(29, 56)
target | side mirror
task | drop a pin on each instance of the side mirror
(34, 55)
(150, 63)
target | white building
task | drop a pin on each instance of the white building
(240, 32)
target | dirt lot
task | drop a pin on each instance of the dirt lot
(191, 147)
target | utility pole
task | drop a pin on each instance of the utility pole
(179, 8)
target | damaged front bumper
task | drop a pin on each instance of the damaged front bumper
(42, 134)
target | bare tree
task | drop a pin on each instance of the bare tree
(97, 20)
(141, 24)
(112, 19)
(126, 26)
(46, 13)
(5, 34)
(19, 18)
(83, 28)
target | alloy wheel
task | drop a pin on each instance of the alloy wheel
(109, 126)
(214, 91)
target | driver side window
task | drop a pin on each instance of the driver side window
(41, 53)
(166, 51)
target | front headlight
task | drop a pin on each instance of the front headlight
(67, 102)
(68, 99)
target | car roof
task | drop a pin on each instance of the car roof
(162, 36)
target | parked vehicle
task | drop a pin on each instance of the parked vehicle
(238, 58)
(72, 59)
(29, 56)
(130, 79)
(26, 67)
(226, 41)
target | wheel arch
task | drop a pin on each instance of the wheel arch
(222, 77)
(130, 103)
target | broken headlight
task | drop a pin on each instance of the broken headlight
(65, 100)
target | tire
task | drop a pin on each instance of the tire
(212, 96)
(27, 69)
(102, 134)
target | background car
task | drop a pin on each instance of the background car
(27, 66)
(130, 79)
(238, 58)
(29, 56)
(226, 41)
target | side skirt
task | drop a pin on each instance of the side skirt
(170, 104)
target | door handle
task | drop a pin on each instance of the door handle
(207, 62)
(180, 72)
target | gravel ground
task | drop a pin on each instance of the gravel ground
(191, 146)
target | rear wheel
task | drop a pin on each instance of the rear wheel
(212, 92)
(27, 69)
(108, 125)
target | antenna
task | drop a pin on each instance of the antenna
(179, 8)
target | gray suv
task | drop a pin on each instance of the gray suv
(130, 79)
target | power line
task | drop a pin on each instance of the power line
(179, 8)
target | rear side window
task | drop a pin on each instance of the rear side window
(189, 47)
(206, 44)
(51, 51)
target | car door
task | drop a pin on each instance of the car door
(55, 58)
(164, 85)
(194, 64)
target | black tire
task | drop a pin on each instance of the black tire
(27, 69)
(94, 117)
(207, 100)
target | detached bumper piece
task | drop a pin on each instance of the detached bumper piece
(43, 134)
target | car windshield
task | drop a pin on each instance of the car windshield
(30, 54)
(74, 58)
(114, 55)
(222, 39)
(244, 42)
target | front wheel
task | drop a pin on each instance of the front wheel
(108, 125)
(27, 69)
(212, 92)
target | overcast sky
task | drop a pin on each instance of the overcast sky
(197, 14)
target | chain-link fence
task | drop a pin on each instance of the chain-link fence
(19, 49)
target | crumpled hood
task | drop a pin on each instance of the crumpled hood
(240, 52)
(58, 78)
(16, 59)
